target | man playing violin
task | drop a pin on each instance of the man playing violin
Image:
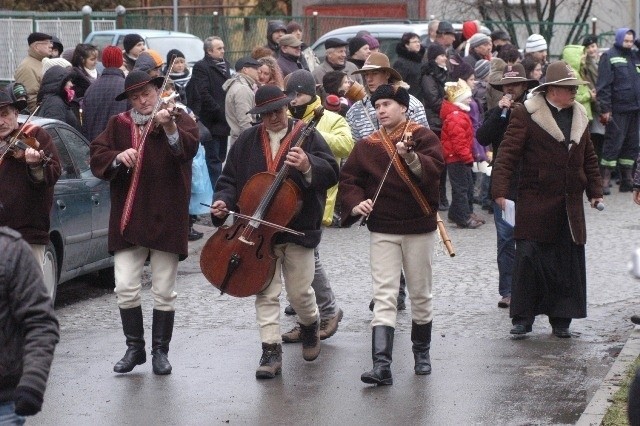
(150, 183)
(27, 176)
(313, 169)
(401, 209)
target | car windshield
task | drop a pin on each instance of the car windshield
(191, 47)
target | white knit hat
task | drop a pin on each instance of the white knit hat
(535, 43)
(51, 62)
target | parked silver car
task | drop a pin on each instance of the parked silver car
(80, 211)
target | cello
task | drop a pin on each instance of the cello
(238, 259)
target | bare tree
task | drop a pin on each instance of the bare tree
(537, 16)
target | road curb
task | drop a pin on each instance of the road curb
(601, 401)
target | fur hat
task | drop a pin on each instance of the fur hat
(457, 91)
(130, 41)
(301, 81)
(389, 91)
(559, 73)
(535, 43)
(269, 98)
(356, 44)
(137, 79)
(111, 57)
(332, 81)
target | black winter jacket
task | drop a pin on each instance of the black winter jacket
(408, 65)
(432, 84)
(29, 327)
(618, 85)
(53, 97)
(207, 80)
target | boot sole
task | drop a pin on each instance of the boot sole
(374, 381)
(127, 370)
(261, 375)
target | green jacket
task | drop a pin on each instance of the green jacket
(572, 54)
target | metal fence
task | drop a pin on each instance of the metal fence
(15, 27)
(241, 34)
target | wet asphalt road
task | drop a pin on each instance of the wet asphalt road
(480, 374)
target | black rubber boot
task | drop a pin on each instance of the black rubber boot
(381, 349)
(421, 339)
(161, 333)
(134, 334)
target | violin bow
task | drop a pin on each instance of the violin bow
(263, 222)
(14, 140)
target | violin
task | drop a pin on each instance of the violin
(18, 144)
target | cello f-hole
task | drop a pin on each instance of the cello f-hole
(259, 255)
(230, 236)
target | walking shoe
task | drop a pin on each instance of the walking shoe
(310, 335)
(289, 310)
(328, 326)
(293, 335)
(194, 235)
(270, 361)
(471, 223)
(505, 302)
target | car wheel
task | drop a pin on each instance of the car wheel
(50, 270)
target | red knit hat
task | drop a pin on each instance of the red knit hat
(112, 57)
(469, 28)
(332, 103)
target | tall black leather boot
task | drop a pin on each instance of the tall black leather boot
(421, 339)
(134, 334)
(381, 349)
(161, 333)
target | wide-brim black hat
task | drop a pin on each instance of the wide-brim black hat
(136, 80)
(6, 99)
(270, 98)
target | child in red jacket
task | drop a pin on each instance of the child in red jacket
(457, 148)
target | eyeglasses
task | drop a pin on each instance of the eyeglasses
(572, 89)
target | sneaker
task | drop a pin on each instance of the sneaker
(293, 335)
(328, 326)
(270, 361)
(505, 302)
(310, 335)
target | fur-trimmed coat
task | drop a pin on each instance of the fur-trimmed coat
(553, 177)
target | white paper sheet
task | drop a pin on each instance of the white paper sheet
(509, 213)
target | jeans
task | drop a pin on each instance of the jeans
(325, 298)
(461, 179)
(506, 252)
(215, 152)
(8, 417)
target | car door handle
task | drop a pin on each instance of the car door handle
(96, 200)
(61, 204)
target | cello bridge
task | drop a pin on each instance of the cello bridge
(242, 239)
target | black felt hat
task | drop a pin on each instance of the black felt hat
(270, 98)
(34, 37)
(334, 42)
(137, 79)
(6, 99)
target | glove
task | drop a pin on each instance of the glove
(28, 401)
